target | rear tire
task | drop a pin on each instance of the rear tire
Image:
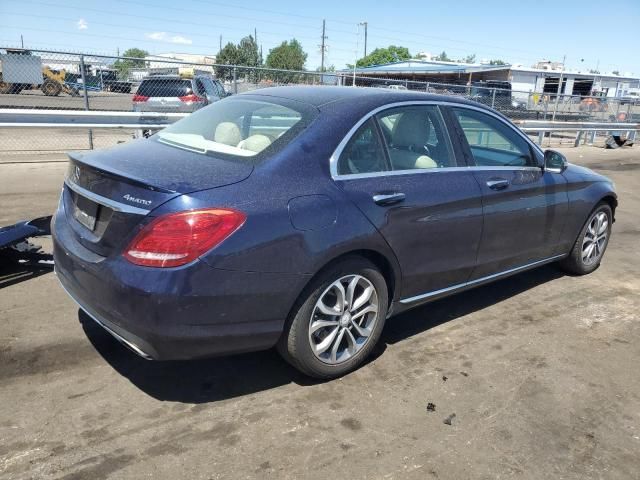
(5, 88)
(51, 88)
(587, 252)
(328, 334)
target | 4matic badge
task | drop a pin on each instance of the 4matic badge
(136, 200)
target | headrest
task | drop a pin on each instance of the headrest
(227, 133)
(255, 143)
(411, 129)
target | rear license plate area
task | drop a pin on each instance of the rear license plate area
(85, 212)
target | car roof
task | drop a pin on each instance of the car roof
(320, 96)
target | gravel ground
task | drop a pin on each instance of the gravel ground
(540, 371)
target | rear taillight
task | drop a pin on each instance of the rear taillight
(179, 238)
(140, 98)
(191, 98)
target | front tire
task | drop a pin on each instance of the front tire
(337, 321)
(592, 242)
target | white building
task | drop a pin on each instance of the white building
(163, 60)
(543, 78)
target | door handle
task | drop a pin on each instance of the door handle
(497, 184)
(388, 198)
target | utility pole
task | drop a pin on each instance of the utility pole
(255, 35)
(21, 41)
(220, 43)
(555, 110)
(322, 46)
(365, 38)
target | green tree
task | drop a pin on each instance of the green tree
(442, 57)
(248, 55)
(616, 72)
(248, 52)
(288, 56)
(497, 62)
(124, 65)
(229, 55)
(244, 53)
(468, 59)
(384, 55)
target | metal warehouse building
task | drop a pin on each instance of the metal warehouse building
(523, 80)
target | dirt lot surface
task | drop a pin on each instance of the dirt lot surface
(540, 370)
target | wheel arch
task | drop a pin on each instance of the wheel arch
(387, 267)
(612, 201)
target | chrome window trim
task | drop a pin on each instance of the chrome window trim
(459, 286)
(333, 160)
(419, 171)
(104, 201)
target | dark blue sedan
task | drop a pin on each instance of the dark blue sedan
(304, 217)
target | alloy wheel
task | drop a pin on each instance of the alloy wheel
(343, 319)
(595, 238)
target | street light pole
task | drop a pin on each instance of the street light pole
(555, 110)
(365, 37)
(355, 54)
(355, 60)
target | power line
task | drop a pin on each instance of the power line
(420, 44)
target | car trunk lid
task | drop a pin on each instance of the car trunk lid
(109, 193)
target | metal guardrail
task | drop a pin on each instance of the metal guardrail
(580, 128)
(26, 118)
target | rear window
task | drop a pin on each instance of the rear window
(165, 87)
(240, 127)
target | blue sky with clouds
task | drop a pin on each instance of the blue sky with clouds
(587, 32)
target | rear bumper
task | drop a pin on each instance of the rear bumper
(179, 313)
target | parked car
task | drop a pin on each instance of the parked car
(173, 93)
(305, 217)
(496, 94)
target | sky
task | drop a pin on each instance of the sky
(520, 32)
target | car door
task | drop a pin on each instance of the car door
(212, 92)
(401, 170)
(524, 206)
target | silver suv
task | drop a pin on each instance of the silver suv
(172, 93)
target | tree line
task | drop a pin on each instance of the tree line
(289, 55)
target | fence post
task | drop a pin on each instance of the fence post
(493, 98)
(235, 79)
(86, 97)
(427, 88)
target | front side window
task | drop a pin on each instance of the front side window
(364, 152)
(492, 142)
(238, 127)
(416, 138)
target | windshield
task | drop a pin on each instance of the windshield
(239, 127)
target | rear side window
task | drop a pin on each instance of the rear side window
(239, 127)
(492, 142)
(416, 138)
(165, 87)
(364, 152)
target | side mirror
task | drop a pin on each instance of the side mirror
(554, 161)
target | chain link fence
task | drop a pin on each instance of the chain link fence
(70, 81)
